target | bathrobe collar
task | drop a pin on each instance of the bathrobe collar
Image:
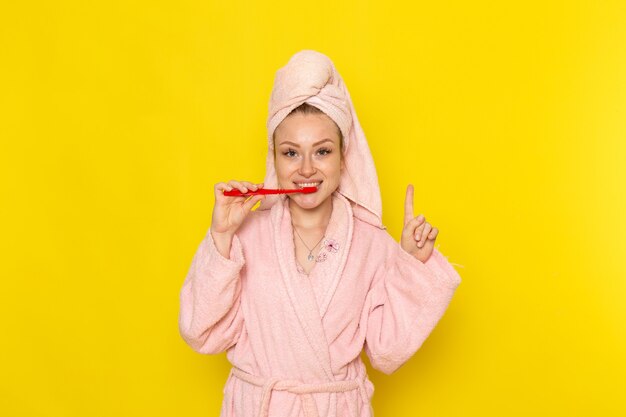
(299, 288)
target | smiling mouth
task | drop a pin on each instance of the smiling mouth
(309, 184)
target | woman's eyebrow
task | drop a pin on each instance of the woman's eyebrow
(297, 146)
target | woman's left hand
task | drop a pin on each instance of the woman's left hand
(418, 236)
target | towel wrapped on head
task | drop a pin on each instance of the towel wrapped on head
(311, 77)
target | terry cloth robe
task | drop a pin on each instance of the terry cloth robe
(289, 335)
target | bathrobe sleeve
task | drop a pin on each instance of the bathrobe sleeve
(210, 319)
(405, 301)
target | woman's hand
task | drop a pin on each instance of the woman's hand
(230, 212)
(418, 236)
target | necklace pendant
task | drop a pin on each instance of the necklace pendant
(310, 257)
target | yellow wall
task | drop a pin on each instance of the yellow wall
(118, 117)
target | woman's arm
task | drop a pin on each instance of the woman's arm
(210, 319)
(406, 301)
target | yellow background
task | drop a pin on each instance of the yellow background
(119, 117)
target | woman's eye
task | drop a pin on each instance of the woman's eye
(291, 153)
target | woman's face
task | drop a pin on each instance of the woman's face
(307, 152)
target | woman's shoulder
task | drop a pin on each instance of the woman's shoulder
(377, 237)
(368, 229)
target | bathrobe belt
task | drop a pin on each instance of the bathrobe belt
(298, 387)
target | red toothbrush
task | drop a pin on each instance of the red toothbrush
(236, 193)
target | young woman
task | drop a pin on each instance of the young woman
(295, 290)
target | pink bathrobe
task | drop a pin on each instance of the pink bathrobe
(295, 340)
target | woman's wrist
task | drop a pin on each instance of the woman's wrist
(223, 242)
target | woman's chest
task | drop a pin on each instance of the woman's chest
(339, 286)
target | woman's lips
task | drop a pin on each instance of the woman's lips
(309, 184)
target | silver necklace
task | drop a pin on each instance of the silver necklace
(310, 257)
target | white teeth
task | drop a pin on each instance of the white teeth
(309, 184)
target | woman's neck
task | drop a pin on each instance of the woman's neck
(309, 219)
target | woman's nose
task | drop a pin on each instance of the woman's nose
(306, 167)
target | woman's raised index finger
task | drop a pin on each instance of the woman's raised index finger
(408, 204)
